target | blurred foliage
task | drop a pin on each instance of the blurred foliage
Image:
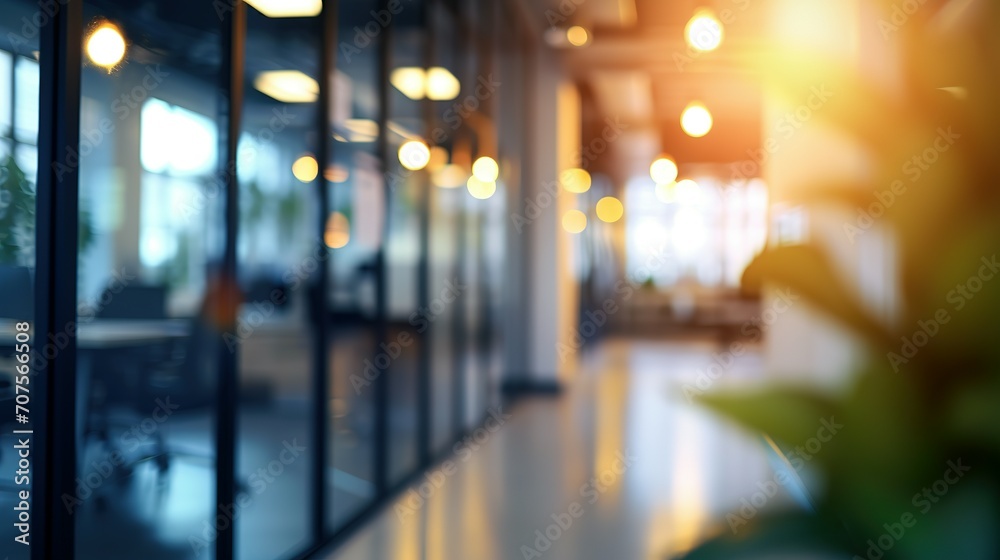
(17, 218)
(907, 421)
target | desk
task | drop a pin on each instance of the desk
(100, 335)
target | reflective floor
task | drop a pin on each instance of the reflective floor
(667, 472)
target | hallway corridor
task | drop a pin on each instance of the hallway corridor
(682, 470)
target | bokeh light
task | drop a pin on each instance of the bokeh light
(574, 221)
(696, 120)
(305, 169)
(610, 209)
(704, 32)
(481, 189)
(663, 171)
(106, 46)
(486, 170)
(576, 180)
(414, 155)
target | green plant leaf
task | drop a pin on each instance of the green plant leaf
(790, 415)
(807, 271)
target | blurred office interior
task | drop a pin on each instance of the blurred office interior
(441, 279)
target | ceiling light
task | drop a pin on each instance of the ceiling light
(450, 176)
(665, 192)
(704, 32)
(696, 120)
(610, 209)
(287, 8)
(338, 231)
(576, 180)
(106, 46)
(410, 81)
(337, 174)
(486, 170)
(305, 169)
(442, 85)
(287, 86)
(439, 158)
(362, 130)
(481, 189)
(577, 36)
(663, 171)
(414, 155)
(574, 221)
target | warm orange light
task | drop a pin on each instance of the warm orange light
(576, 180)
(696, 120)
(704, 32)
(574, 221)
(305, 169)
(577, 36)
(106, 46)
(338, 231)
(663, 171)
(610, 209)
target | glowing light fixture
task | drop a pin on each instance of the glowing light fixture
(442, 85)
(610, 209)
(439, 158)
(338, 231)
(663, 171)
(106, 46)
(576, 180)
(414, 155)
(411, 81)
(574, 221)
(481, 189)
(704, 32)
(665, 192)
(305, 169)
(696, 120)
(687, 191)
(449, 177)
(362, 130)
(577, 36)
(287, 8)
(287, 86)
(337, 174)
(486, 170)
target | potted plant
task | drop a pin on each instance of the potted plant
(914, 473)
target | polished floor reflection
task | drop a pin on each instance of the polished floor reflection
(667, 472)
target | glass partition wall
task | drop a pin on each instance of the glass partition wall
(268, 245)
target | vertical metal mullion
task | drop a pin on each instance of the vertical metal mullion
(234, 39)
(381, 331)
(55, 458)
(322, 369)
(423, 273)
